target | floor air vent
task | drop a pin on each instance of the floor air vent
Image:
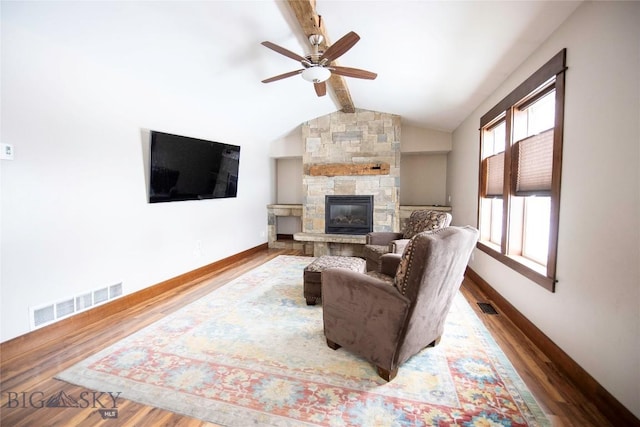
(49, 313)
(487, 308)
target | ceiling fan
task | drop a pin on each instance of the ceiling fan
(317, 66)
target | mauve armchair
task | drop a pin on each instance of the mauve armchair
(389, 316)
(379, 243)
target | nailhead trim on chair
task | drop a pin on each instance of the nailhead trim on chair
(404, 268)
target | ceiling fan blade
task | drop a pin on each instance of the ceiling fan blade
(353, 72)
(283, 76)
(340, 47)
(283, 51)
(321, 88)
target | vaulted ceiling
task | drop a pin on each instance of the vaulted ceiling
(435, 60)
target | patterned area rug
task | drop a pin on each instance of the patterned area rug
(252, 352)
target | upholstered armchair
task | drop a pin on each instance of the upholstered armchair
(379, 243)
(386, 317)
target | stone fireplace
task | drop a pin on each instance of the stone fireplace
(351, 154)
(346, 154)
(348, 214)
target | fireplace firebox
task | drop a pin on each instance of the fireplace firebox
(348, 214)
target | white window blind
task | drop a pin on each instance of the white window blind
(494, 175)
(532, 164)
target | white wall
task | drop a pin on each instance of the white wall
(423, 179)
(415, 139)
(288, 145)
(594, 315)
(80, 84)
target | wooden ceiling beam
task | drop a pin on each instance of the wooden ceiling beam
(310, 22)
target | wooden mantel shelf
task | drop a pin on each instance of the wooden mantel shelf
(349, 169)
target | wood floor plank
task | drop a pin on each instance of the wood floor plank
(557, 396)
(35, 370)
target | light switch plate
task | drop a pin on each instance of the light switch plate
(6, 151)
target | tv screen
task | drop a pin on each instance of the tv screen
(184, 168)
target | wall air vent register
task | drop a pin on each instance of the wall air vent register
(46, 314)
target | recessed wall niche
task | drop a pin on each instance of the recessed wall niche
(289, 191)
(423, 179)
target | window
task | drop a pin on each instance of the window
(520, 169)
(493, 164)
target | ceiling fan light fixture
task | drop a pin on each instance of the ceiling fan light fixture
(316, 74)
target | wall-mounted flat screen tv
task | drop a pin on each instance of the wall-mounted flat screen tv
(184, 168)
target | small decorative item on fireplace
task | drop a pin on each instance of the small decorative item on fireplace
(348, 214)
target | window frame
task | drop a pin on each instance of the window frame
(526, 93)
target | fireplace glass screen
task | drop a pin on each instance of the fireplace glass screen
(348, 214)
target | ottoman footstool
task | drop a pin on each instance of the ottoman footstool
(313, 273)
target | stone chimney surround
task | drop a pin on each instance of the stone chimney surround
(351, 154)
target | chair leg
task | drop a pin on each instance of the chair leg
(333, 345)
(386, 374)
(435, 342)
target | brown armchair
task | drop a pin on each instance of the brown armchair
(387, 317)
(379, 243)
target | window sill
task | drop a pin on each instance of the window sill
(529, 269)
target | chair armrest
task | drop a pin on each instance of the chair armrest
(397, 246)
(389, 264)
(382, 237)
(363, 314)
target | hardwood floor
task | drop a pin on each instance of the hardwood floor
(28, 377)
